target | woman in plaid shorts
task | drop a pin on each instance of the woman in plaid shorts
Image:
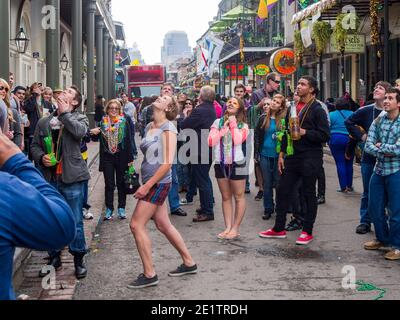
(158, 147)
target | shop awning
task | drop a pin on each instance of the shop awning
(239, 12)
(331, 8)
(313, 10)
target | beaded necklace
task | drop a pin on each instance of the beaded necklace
(113, 132)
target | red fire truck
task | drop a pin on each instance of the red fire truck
(143, 81)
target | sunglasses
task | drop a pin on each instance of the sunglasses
(276, 81)
(3, 88)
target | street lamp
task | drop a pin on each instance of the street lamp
(64, 63)
(21, 41)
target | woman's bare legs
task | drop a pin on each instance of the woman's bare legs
(143, 213)
(238, 190)
(227, 206)
(164, 225)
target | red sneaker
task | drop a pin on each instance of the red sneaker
(271, 234)
(304, 239)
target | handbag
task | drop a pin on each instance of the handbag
(131, 181)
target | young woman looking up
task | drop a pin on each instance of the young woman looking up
(227, 135)
(159, 148)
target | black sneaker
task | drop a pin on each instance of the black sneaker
(260, 196)
(294, 225)
(183, 270)
(179, 212)
(363, 228)
(321, 200)
(267, 214)
(143, 282)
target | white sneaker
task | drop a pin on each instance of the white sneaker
(184, 202)
(87, 215)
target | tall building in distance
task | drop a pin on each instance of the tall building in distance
(176, 46)
(135, 54)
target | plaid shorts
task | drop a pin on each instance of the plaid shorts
(158, 194)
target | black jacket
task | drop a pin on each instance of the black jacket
(318, 133)
(125, 148)
(201, 120)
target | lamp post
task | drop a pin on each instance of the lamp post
(64, 63)
(21, 41)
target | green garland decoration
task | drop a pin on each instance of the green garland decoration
(298, 46)
(340, 33)
(321, 33)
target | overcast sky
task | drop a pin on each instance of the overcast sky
(147, 21)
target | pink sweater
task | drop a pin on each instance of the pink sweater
(218, 109)
(239, 136)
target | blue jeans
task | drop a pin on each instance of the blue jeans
(86, 195)
(269, 168)
(384, 192)
(173, 196)
(344, 167)
(367, 170)
(183, 175)
(73, 195)
(201, 174)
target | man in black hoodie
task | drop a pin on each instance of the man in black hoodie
(305, 164)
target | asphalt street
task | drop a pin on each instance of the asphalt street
(248, 269)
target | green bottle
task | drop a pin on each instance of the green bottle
(290, 147)
(279, 136)
(48, 144)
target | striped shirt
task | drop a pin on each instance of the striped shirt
(387, 132)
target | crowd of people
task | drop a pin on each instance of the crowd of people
(181, 138)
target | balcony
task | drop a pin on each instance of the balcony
(253, 43)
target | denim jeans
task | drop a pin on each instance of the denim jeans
(201, 174)
(367, 169)
(173, 196)
(86, 196)
(384, 192)
(73, 195)
(269, 168)
(344, 167)
(183, 175)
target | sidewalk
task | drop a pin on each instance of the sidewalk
(27, 264)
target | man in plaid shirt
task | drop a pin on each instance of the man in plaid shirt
(384, 143)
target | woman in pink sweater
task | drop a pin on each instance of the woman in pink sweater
(228, 136)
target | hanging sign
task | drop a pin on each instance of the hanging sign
(355, 43)
(262, 70)
(283, 62)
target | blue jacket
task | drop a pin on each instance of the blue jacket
(33, 215)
